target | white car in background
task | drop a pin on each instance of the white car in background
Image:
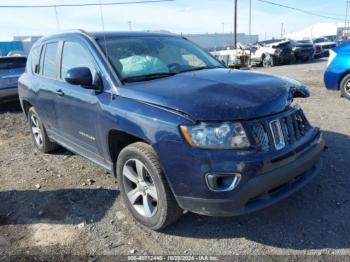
(272, 53)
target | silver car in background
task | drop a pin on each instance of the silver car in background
(11, 68)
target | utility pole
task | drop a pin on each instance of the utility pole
(282, 26)
(235, 26)
(346, 18)
(130, 25)
(223, 27)
(250, 21)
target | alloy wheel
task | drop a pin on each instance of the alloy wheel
(36, 130)
(140, 188)
(347, 88)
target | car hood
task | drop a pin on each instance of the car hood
(216, 94)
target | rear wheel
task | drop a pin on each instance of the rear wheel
(144, 189)
(345, 87)
(39, 135)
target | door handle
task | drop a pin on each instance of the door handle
(59, 92)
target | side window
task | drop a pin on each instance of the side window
(49, 65)
(34, 59)
(75, 55)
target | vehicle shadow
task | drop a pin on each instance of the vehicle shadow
(10, 107)
(66, 206)
(312, 61)
(316, 217)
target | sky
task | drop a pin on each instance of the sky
(180, 16)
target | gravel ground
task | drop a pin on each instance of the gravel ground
(61, 204)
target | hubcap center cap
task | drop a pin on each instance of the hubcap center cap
(143, 187)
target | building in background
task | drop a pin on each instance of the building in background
(8, 46)
(212, 42)
(21, 44)
(27, 42)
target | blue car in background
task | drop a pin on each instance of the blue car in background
(337, 75)
(11, 68)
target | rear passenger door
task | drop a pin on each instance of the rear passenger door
(46, 73)
(77, 108)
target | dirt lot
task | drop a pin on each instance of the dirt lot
(70, 214)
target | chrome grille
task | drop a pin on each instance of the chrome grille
(261, 137)
(277, 132)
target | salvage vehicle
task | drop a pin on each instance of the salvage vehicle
(178, 129)
(326, 44)
(11, 68)
(318, 51)
(234, 58)
(337, 75)
(303, 50)
(272, 53)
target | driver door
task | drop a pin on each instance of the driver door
(78, 107)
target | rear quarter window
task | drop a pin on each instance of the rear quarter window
(34, 59)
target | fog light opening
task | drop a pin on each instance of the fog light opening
(223, 182)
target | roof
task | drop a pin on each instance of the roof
(107, 34)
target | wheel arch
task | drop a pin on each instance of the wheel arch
(346, 73)
(26, 105)
(117, 140)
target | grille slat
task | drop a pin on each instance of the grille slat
(293, 126)
(296, 127)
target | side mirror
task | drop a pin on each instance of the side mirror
(300, 91)
(80, 76)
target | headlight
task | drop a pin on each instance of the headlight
(216, 136)
(332, 56)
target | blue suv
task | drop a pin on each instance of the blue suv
(337, 75)
(177, 129)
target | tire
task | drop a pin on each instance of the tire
(305, 59)
(293, 59)
(345, 87)
(38, 131)
(268, 61)
(141, 178)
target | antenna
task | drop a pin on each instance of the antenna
(103, 26)
(57, 21)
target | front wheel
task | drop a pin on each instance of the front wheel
(345, 87)
(268, 61)
(144, 189)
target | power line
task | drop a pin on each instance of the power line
(300, 10)
(89, 4)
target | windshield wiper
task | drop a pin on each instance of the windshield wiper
(201, 68)
(147, 77)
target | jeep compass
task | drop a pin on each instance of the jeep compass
(178, 129)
